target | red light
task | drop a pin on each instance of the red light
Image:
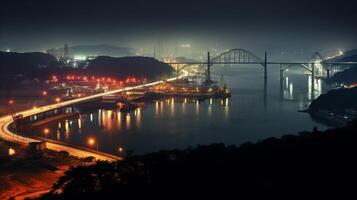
(44, 93)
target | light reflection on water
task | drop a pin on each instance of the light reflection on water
(179, 123)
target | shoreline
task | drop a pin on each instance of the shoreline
(6, 134)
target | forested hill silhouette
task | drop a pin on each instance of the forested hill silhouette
(129, 66)
(337, 100)
(347, 77)
(309, 165)
(12, 63)
(41, 66)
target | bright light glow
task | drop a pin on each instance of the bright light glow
(91, 141)
(46, 131)
(12, 152)
(80, 57)
(185, 45)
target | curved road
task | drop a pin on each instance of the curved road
(6, 134)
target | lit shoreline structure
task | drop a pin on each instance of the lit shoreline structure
(188, 88)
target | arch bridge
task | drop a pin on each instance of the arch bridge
(233, 56)
(317, 65)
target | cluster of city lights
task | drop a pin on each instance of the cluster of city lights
(98, 79)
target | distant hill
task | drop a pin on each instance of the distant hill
(346, 77)
(348, 56)
(41, 65)
(129, 66)
(336, 100)
(23, 63)
(94, 50)
(349, 75)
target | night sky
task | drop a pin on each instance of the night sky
(28, 25)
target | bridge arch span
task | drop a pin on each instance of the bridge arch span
(238, 56)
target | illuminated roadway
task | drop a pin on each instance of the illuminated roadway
(6, 134)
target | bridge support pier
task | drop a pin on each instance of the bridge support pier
(281, 82)
(177, 71)
(328, 71)
(265, 78)
(312, 81)
(208, 78)
(265, 67)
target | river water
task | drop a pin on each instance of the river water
(174, 123)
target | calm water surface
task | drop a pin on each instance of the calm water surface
(174, 123)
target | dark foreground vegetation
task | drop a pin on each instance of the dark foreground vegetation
(309, 165)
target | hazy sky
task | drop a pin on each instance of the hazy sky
(252, 24)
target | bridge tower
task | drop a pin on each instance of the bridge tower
(208, 78)
(312, 81)
(265, 78)
(265, 66)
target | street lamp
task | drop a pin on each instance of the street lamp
(121, 151)
(57, 99)
(11, 103)
(46, 131)
(91, 141)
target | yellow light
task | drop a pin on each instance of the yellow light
(46, 131)
(57, 99)
(12, 152)
(66, 126)
(120, 149)
(79, 123)
(91, 141)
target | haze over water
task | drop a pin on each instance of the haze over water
(173, 123)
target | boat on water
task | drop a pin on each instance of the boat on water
(127, 107)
